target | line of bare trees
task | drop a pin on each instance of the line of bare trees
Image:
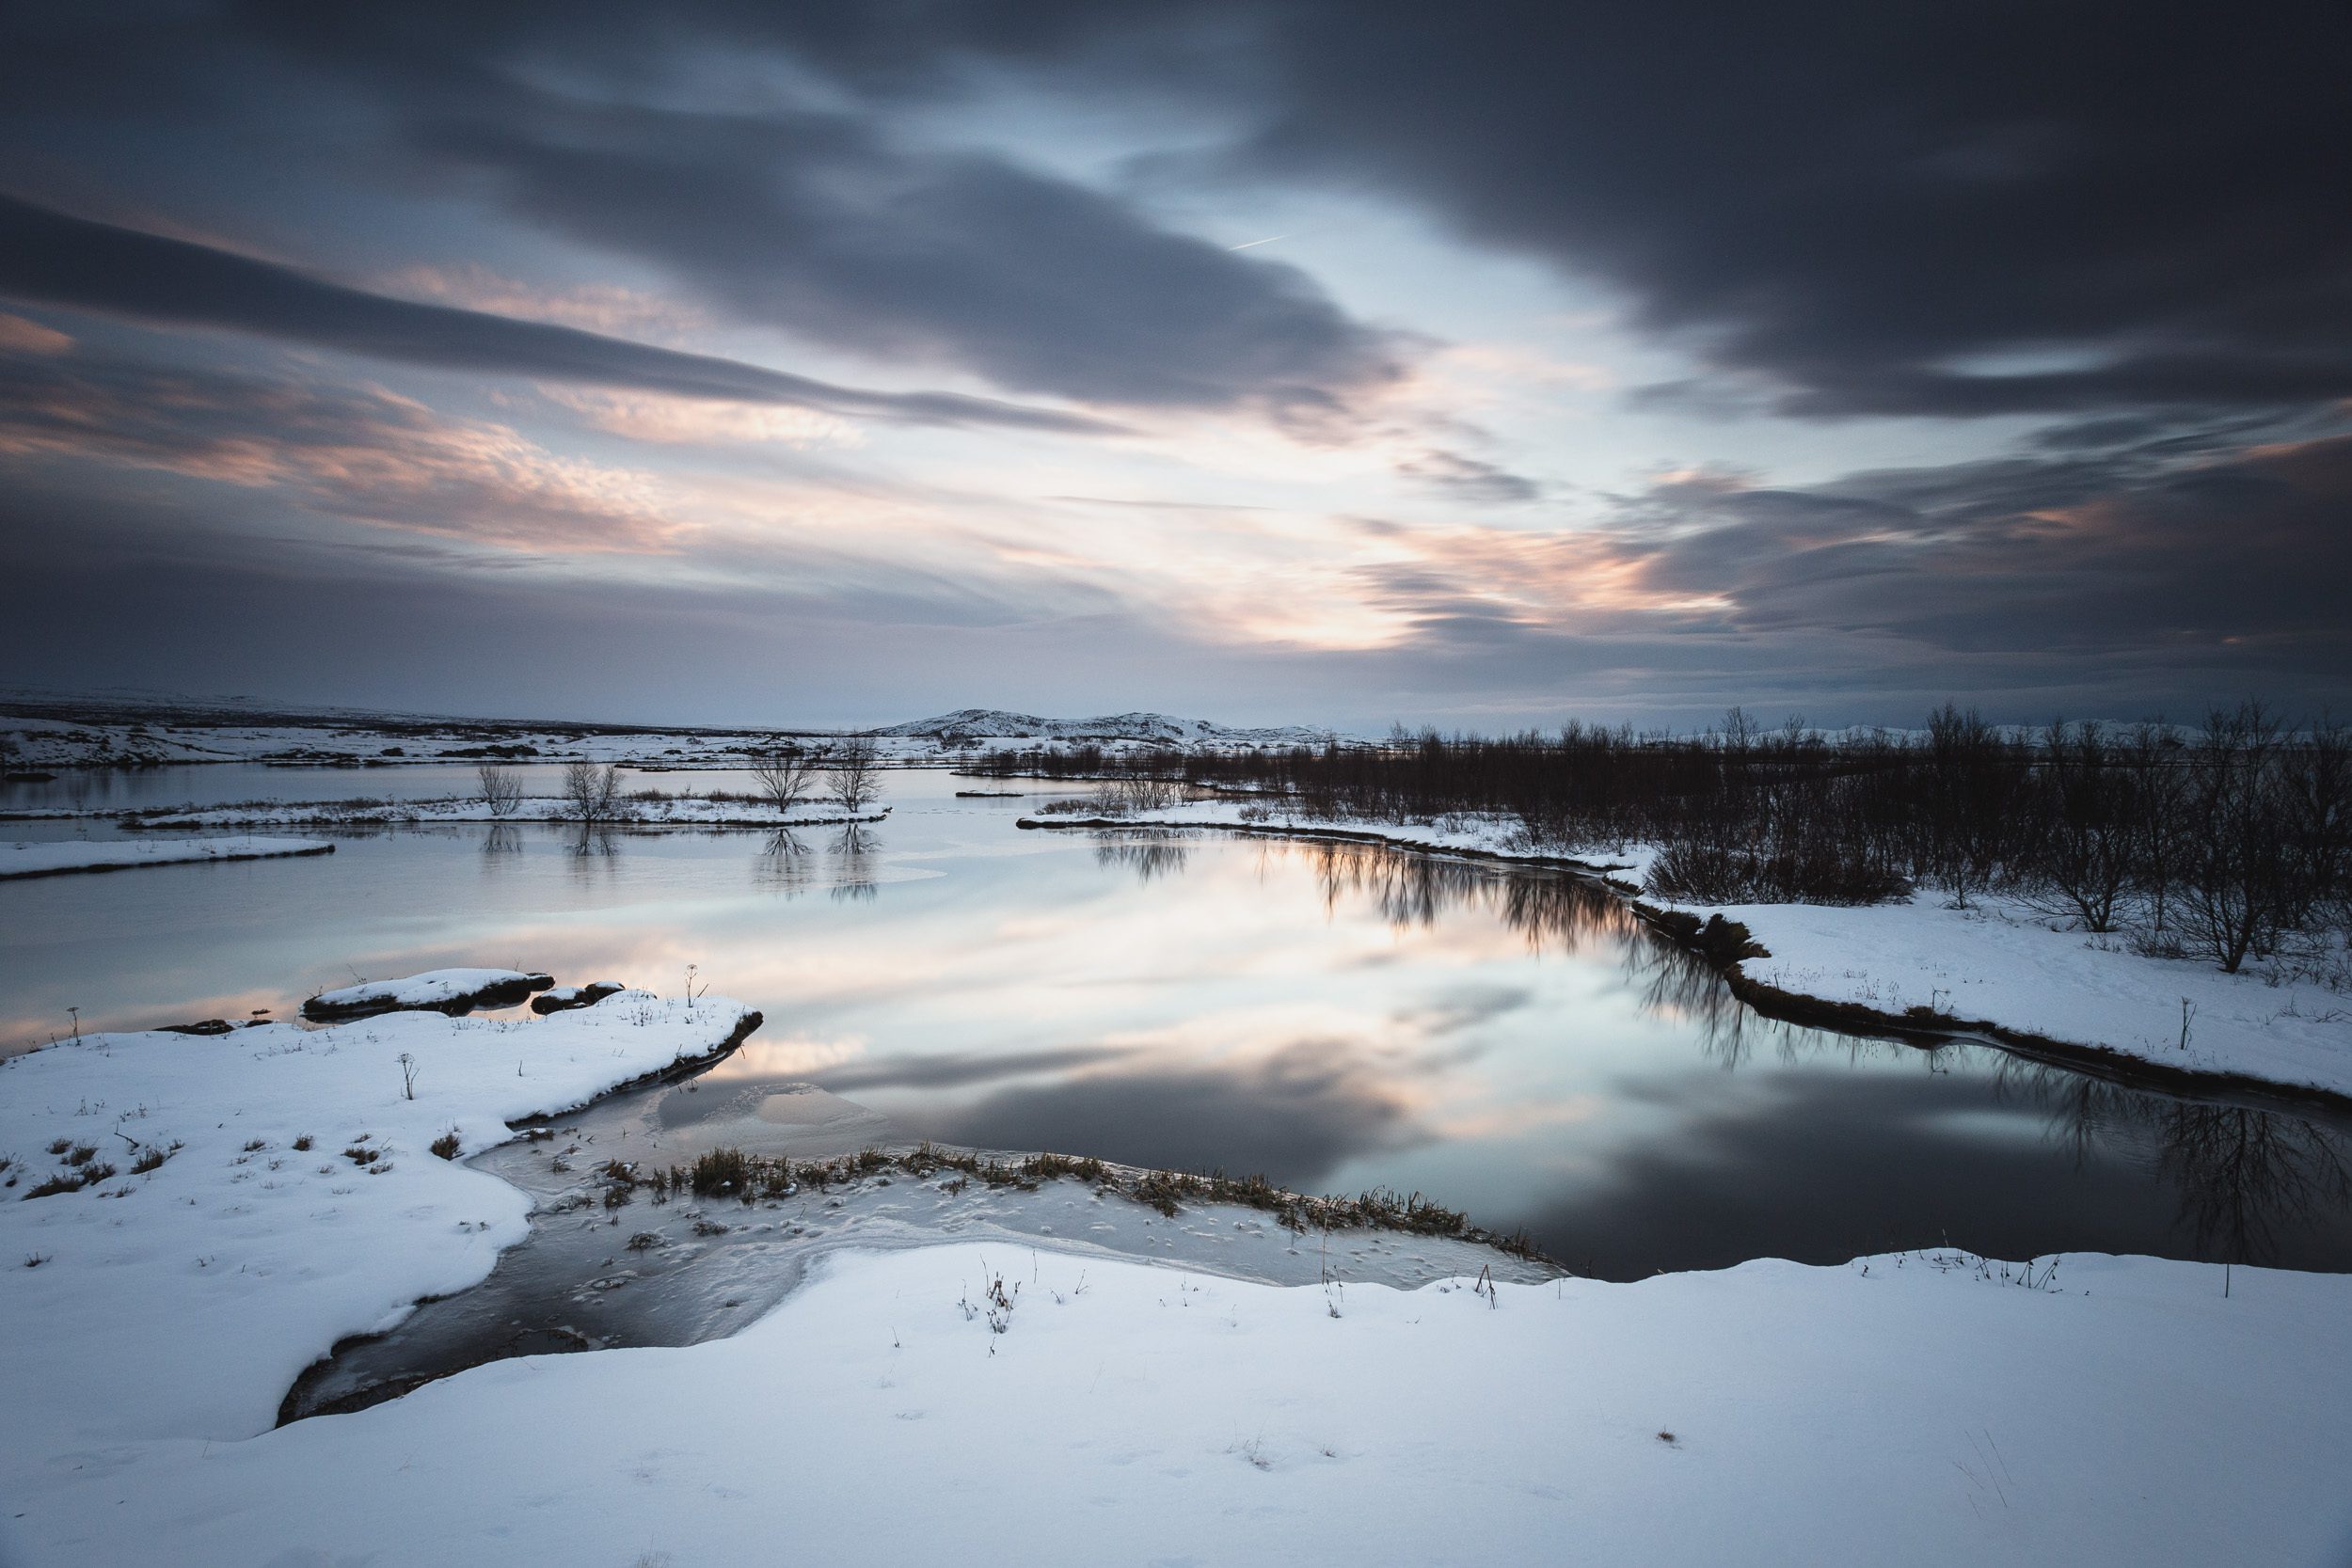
(2229, 841)
(847, 773)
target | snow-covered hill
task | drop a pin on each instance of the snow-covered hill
(1154, 729)
(40, 735)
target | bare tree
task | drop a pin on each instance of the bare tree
(501, 791)
(592, 794)
(854, 773)
(2238, 885)
(789, 776)
(2089, 825)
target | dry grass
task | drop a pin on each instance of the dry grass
(724, 1173)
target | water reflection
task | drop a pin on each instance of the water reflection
(592, 848)
(857, 857)
(1149, 857)
(1556, 913)
(2243, 1177)
(1336, 1014)
(785, 865)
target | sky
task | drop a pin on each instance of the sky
(1290, 362)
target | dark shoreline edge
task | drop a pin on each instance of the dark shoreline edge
(683, 1067)
(1724, 944)
(154, 866)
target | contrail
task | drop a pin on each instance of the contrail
(1254, 244)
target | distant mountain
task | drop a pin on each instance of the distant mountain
(1150, 729)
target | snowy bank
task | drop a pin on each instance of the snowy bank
(238, 1204)
(1923, 1409)
(1480, 836)
(54, 859)
(1998, 968)
(666, 811)
(450, 990)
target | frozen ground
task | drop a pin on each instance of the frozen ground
(982, 1403)
(291, 1198)
(56, 859)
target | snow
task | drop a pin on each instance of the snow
(50, 860)
(147, 736)
(433, 987)
(1489, 835)
(184, 1302)
(2000, 963)
(1922, 1409)
(1156, 729)
(696, 811)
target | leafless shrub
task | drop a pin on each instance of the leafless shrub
(854, 773)
(502, 788)
(788, 776)
(592, 793)
(1126, 796)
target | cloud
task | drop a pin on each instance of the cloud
(60, 259)
(360, 453)
(605, 308)
(820, 224)
(1955, 215)
(1468, 479)
(706, 422)
(19, 336)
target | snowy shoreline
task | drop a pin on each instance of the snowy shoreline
(672, 810)
(1928, 1407)
(65, 856)
(192, 1221)
(1910, 967)
(288, 1189)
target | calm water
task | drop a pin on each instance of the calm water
(1337, 1017)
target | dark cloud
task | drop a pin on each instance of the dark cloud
(1965, 212)
(56, 258)
(2106, 552)
(1961, 212)
(820, 224)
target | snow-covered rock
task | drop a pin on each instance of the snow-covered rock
(560, 999)
(450, 990)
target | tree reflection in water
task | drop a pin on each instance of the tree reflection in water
(503, 839)
(1556, 911)
(1149, 857)
(592, 843)
(785, 864)
(857, 852)
(2240, 1173)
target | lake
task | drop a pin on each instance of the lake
(1338, 1018)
